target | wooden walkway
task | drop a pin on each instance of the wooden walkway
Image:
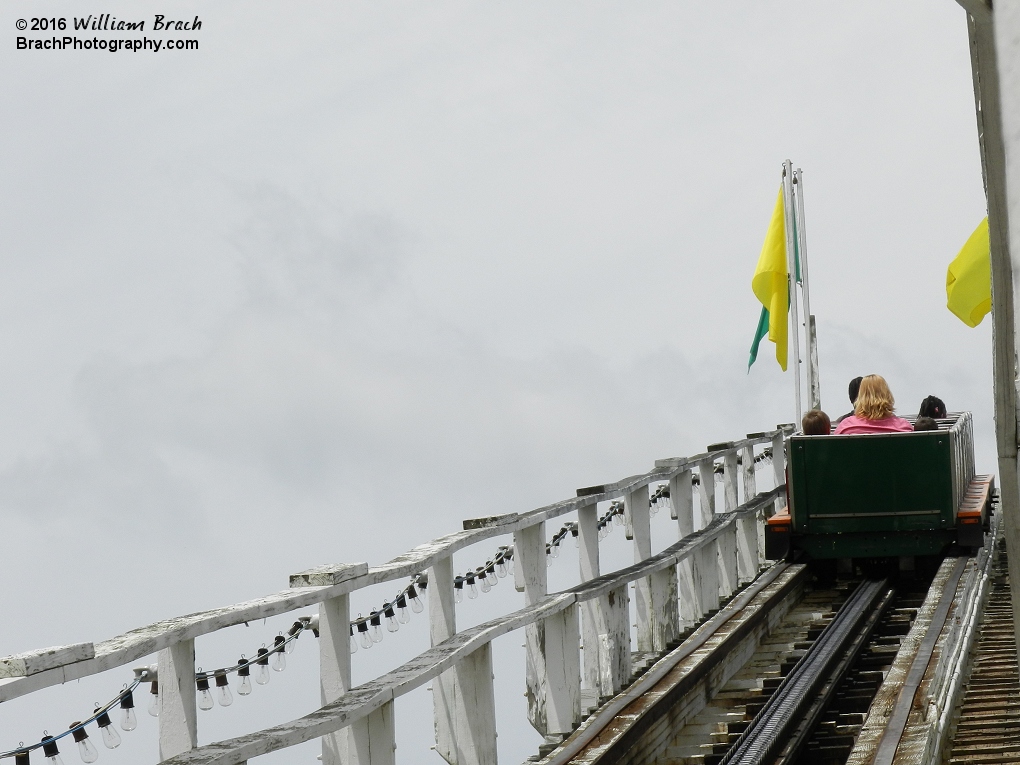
(988, 727)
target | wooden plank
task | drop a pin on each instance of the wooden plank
(588, 558)
(328, 575)
(730, 500)
(636, 507)
(334, 669)
(364, 699)
(563, 700)
(706, 491)
(442, 627)
(747, 473)
(373, 738)
(34, 662)
(529, 551)
(178, 713)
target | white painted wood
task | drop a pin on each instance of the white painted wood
(730, 481)
(689, 591)
(636, 506)
(364, 699)
(373, 738)
(529, 549)
(334, 669)
(34, 662)
(747, 474)
(779, 461)
(665, 608)
(747, 547)
(178, 711)
(588, 555)
(443, 625)
(727, 548)
(475, 742)
(996, 78)
(563, 701)
(615, 643)
(706, 491)
(708, 569)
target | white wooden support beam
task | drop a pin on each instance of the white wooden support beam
(681, 497)
(727, 546)
(779, 460)
(591, 618)
(747, 547)
(730, 481)
(708, 570)
(615, 643)
(529, 552)
(563, 703)
(636, 506)
(665, 609)
(178, 711)
(334, 669)
(373, 738)
(706, 491)
(748, 479)
(443, 625)
(474, 742)
(689, 590)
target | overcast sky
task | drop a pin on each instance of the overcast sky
(350, 273)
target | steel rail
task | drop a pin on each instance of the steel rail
(785, 709)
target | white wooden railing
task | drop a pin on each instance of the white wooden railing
(674, 589)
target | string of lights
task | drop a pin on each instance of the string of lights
(265, 658)
(364, 631)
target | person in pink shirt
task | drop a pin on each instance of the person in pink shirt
(873, 412)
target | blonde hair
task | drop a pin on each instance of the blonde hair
(874, 400)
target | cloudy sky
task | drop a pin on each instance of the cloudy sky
(350, 273)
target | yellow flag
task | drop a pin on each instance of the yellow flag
(969, 279)
(770, 280)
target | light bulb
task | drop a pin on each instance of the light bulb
(111, 738)
(205, 699)
(458, 590)
(244, 672)
(50, 751)
(403, 615)
(376, 621)
(576, 536)
(556, 549)
(490, 575)
(279, 660)
(81, 738)
(472, 590)
(501, 568)
(354, 641)
(416, 605)
(223, 695)
(617, 517)
(262, 667)
(128, 721)
(392, 625)
(363, 637)
(294, 632)
(154, 698)
(485, 584)
(548, 559)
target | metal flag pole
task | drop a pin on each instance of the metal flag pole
(791, 268)
(810, 336)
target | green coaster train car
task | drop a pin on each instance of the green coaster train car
(882, 495)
